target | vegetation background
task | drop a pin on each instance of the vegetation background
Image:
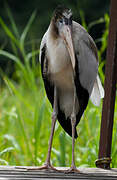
(25, 112)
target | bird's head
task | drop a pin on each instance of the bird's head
(62, 28)
(62, 16)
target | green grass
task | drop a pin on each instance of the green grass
(25, 112)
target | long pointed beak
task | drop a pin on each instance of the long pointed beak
(69, 43)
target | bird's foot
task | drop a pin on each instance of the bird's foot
(46, 166)
(72, 169)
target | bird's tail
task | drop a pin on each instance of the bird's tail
(97, 92)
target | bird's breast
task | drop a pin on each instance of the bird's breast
(58, 55)
(61, 73)
(64, 78)
(60, 66)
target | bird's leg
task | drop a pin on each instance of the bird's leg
(47, 164)
(54, 117)
(73, 123)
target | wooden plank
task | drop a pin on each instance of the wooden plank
(19, 172)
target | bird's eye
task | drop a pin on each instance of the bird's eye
(61, 21)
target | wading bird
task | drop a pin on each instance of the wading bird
(69, 66)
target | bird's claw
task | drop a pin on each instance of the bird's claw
(47, 167)
(72, 169)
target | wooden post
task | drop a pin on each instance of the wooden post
(110, 91)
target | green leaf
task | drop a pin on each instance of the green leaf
(14, 27)
(10, 56)
(17, 60)
(8, 32)
(13, 58)
(31, 54)
(99, 21)
(62, 141)
(16, 92)
(3, 162)
(82, 16)
(9, 149)
(12, 140)
(23, 36)
(37, 120)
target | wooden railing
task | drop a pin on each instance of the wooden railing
(110, 92)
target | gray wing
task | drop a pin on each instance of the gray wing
(86, 52)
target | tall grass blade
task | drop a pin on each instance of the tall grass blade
(3, 162)
(37, 126)
(83, 22)
(13, 58)
(10, 56)
(12, 140)
(99, 21)
(32, 54)
(14, 27)
(62, 140)
(18, 62)
(23, 36)
(14, 48)
(9, 149)
(24, 132)
(8, 32)
(100, 69)
(105, 35)
(17, 93)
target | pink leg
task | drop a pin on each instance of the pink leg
(47, 164)
(73, 123)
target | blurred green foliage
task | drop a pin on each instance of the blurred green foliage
(25, 113)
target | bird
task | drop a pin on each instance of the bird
(69, 67)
